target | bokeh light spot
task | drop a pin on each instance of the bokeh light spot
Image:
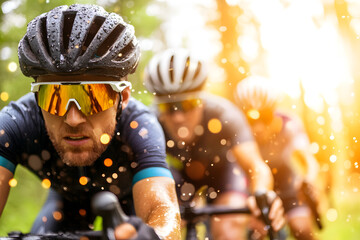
(253, 114)
(187, 190)
(4, 96)
(320, 120)
(83, 180)
(214, 125)
(347, 164)
(12, 66)
(82, 212)
(314, 148)
(46, 183)
(134, 124)
(13, 182)
(170, 143)
(105, 138)
(331, 214)
(333, 158)
(183, 132)
(108, 162)
(195, 170)
(199, 130)
(57, 215)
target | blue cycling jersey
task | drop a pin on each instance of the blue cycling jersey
(24, 140)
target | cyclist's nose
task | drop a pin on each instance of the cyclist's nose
(178, 116)
(74, 116)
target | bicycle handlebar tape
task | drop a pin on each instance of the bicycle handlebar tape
(106, 205)
(144, 232)
(263, 204)
(308, 192)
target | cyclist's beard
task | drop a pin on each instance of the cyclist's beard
(84, 155)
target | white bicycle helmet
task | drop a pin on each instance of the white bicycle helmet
(174, 71)
(256, 93)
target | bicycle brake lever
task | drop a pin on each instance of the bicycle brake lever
(106, 205)
(264, 206)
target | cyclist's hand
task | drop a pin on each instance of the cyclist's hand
(276, 213)
(135, 228)
(125, 231)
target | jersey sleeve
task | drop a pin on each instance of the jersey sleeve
(296, 135)
(141, 130)
(17, 130)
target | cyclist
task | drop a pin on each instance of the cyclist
(206, 137)
(281, 139)
(81, 131)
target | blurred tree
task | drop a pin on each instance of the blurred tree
(351, 112)
(236, 68)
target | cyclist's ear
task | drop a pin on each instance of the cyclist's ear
(126, 93)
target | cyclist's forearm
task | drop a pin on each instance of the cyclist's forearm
(157, 205)
(258, 172)
(261, 178)
(5, 176)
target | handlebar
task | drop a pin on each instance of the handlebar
(193, 215)
(307, 190)
(262, 203)
(106, 205)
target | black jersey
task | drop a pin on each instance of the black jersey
(208, 159)
(136, 153)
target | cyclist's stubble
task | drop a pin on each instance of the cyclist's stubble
(89, 150)
(84, 155)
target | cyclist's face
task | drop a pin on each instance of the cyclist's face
(180, 124)
(264, 131)
(81, 139)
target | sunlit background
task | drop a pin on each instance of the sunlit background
(308, 49)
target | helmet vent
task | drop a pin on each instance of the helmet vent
(30, 54)
(125, 52)
(159, 74)
(171, 69)
(69, 18)
(43, 32)
(187, 64)
(198, 69)
(94, 28)
(109, 41)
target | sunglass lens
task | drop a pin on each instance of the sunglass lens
(92, 98)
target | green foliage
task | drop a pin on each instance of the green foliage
(24, 202)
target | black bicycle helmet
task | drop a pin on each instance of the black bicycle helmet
(175, 71)
(79, 39)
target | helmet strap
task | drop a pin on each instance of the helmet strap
(119, 110)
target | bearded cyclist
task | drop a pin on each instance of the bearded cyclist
(207, 139)
(81, 130)
(281, 138)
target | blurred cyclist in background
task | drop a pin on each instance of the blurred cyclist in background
(81, 132)
(281, 139)
(207, 139)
